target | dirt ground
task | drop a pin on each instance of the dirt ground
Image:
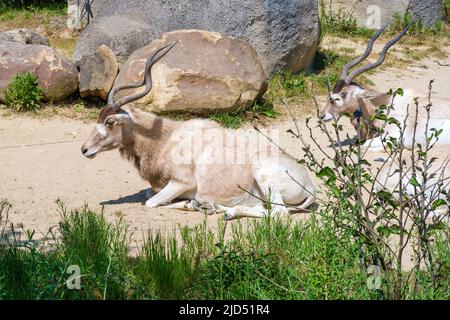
(40, 161)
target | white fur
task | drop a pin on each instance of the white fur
(101, 130)
(337, 100)
(404, 109)
(389, 179)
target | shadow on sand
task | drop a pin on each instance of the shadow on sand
(138, 197)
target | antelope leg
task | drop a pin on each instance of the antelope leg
(274, 197)
(167, 194)
(180, 205)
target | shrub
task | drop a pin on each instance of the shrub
(24, 93)
(384, 223)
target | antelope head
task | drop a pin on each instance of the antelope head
(114, 123)
(347, 96)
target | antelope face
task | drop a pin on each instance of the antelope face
(113, 122)
(346, 92)
(107, 134)
(343, 100)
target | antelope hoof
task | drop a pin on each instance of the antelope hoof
(229, 215)
(151, 204)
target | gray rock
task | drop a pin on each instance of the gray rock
(373, 14)
(57, 75)
(97, 73)
(24, 36)
(204, 71)
(429, 11)
(285, 34)
(123, 34)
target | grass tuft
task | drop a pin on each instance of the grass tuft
(235, 119)
(271, 258)
(24, 93)
(10, 8)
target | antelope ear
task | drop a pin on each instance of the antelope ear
(360, 93)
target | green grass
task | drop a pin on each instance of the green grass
(9, 9)
(272, 259)
(400, 21)
(300, 87)
(49, 17)
(24, 93)
(235, 119)
(342, 23)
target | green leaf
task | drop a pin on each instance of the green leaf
(439, 202)
(388, 230)
(387, 197)
(327, 172)
(336, 191)
(413, 181)
(437, 226)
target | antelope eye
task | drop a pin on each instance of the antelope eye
(110, 121)
(344, 95)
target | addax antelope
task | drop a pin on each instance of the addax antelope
(197, 162)
(348, 97)
(436, 185)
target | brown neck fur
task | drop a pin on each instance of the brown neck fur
(381, 99)
(143, 138)
(369, 108)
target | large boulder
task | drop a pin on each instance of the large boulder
(429, 11)
(204, 71)
(25, 36)
(122, 33)
(374, 13)
(57, 75)
(285, 34)
(97, 73)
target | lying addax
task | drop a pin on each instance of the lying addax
(348, 97)
(435, 187)
(199, 162)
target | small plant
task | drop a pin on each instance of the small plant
(295, 88)
(236, 118)
(340, 21)
(382, 223)
(263, 108)
(418, 28)
(230, 119)
(24, 93)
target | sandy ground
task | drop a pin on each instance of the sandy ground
(40, 161)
